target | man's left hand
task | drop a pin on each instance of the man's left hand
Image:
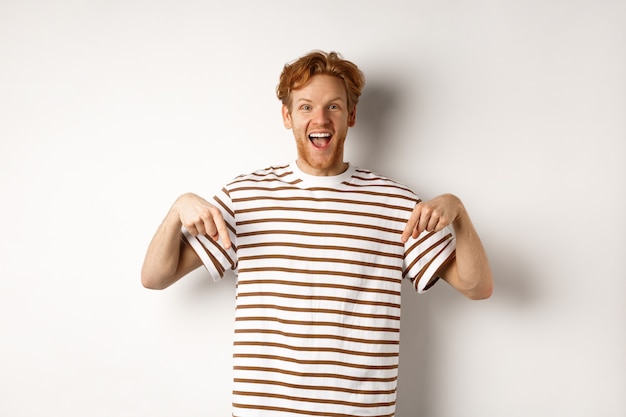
(432, 215)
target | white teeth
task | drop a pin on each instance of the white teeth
(319, 135)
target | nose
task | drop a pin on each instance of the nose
(320, 116)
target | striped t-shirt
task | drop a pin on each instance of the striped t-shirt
(319, 264)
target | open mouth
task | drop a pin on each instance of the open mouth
(320, 139)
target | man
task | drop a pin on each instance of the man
(320, 248)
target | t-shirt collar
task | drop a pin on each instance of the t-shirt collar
(322, 180)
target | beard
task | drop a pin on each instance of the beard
(327, 161)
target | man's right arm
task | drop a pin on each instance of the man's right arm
(169, 257)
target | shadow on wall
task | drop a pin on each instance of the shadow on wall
(377, 106)
(201, 289)
(418, 376)
(512, 283)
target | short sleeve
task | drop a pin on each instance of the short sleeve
(215, 258)
(425, 255)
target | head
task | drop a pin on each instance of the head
(320, 93)
(298, 73)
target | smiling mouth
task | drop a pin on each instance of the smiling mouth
(320, 140)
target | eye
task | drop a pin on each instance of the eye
(334, 107)
(306, 107)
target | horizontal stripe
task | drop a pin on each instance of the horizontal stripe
(317, 336)
(274, 178)
(295, 411)
(379, 195)
(320, 223)
(310, 210)
(319, 272)
(319, 323)
(319, 285)
(378, 354)
(319, 310)
(322, 200)
(321, 248)
(322, 235)
(264, 294)
(314, 400)
(314, 362)
(323, 259)
(312, 374)
(315, 387)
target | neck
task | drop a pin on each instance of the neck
(322, 172)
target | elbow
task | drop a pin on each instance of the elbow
(482, 291)
(480, 294)
(151, 285)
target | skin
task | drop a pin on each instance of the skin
(318, 109)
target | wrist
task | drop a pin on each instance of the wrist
(457, 204)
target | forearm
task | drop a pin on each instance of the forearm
(162, 257)
(471, 274)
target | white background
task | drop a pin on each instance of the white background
(111, 109)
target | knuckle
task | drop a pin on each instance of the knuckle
(216, 212)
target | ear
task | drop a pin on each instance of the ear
(352, 117)
(286, 117)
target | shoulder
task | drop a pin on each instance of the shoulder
(269, 177)
(366, 178)
(274, 171)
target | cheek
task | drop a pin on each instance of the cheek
(299, 123)
(342, 123)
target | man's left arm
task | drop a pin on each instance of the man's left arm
(469, 272)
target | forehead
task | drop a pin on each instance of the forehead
(321, 87)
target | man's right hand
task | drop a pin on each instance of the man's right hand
(168, 257)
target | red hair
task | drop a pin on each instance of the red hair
(298, 73)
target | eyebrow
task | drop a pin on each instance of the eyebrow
(338, 98)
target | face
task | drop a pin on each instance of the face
(319, 118)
